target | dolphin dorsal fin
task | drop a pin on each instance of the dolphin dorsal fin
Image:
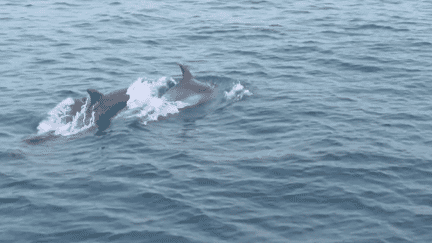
(95, 96)
(187, 76)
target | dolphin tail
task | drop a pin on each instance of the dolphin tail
(95, 96)
(187, 76)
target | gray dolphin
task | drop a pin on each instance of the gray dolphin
(105, 107)
(190, 90)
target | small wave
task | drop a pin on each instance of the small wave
(12, 154)
(237, 92)
(377, 27)
(66, 4)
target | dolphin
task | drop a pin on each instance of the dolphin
(105, 107)
(189, 90)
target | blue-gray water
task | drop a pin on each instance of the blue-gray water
(327, 137)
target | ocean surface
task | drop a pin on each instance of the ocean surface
(320, 132)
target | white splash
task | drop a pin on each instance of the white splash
(62, 122)
(237, 92)
(146, 103)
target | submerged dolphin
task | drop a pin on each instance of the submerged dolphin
(105, 107)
